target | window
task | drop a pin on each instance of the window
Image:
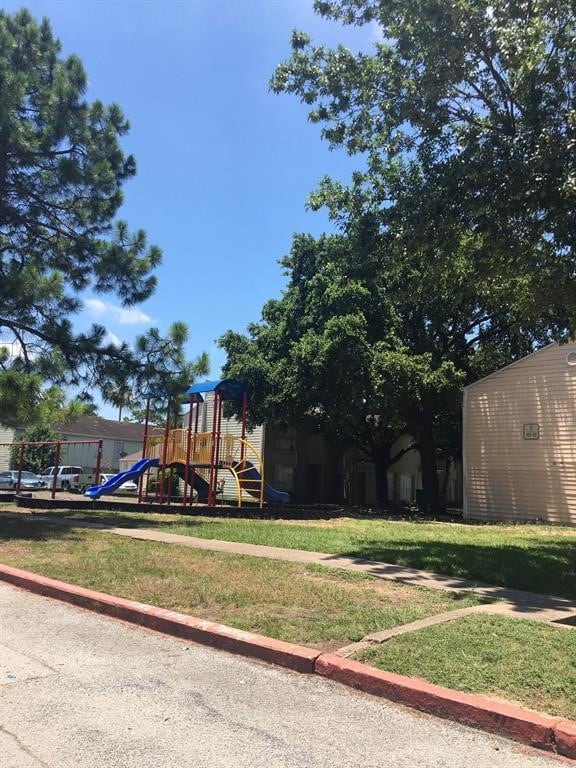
(118, 450)
(283, 441)
(406, 488)
(283, 475)
(361, 488)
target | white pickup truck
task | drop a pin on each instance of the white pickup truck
(68, 478)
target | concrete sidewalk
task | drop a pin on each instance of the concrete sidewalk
(510, 602)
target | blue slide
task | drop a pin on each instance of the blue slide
(270, 494)
(95, 491)
(199, 484)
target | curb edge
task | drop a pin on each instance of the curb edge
(553, 734)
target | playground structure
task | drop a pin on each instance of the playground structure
(199, 458)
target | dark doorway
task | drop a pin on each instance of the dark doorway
(314, 482)
(360, 495)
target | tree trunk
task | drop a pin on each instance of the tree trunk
(383, 460)
(446, 478)
(333, 468)
(427, 448)
(381, 466)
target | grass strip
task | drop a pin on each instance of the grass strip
(316, 606)
(522, 661)
(536, 558)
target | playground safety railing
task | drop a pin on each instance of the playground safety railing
(177, 451)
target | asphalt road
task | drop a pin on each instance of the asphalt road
(79, 690)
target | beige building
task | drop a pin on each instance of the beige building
(318, 471)
(7, 437)
(520, 440)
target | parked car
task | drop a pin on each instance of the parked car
(28, 480)
(128, 487)
(68, 478)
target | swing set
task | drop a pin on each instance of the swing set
(78, 481)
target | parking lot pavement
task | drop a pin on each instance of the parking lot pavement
(78, 689)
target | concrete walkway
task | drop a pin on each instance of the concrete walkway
(511, 602)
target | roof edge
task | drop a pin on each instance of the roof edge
(511, 365)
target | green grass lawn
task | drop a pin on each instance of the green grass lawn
(321, 607)
(537, 558)
(524, 661)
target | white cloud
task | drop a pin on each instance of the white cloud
(123, 315)
(111, 338)
(375, 32)
(95, 306)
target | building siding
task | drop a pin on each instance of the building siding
(85, 455)
(506, 475)
(7, 436)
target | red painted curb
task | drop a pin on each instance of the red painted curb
(553, 734)
(469, 709)
(565, 735)
(210, 633)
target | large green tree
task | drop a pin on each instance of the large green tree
(61, 175)
(465, 119)
(465, 111)
(333, 352)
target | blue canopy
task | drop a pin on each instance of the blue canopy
(229, 389)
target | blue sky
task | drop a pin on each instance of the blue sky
(224, 165)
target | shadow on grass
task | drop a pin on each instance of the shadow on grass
(104, 520)
(29, 529)
(546, 567)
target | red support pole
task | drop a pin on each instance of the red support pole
(198, 403)
(55, 477)
(188, 449)
(98, 463)
(213, 455)
(144, 447)
(218, 441)
(169, 488)
(244, 419)
(20, 465)
(164, 454)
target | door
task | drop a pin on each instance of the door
(313, 482)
